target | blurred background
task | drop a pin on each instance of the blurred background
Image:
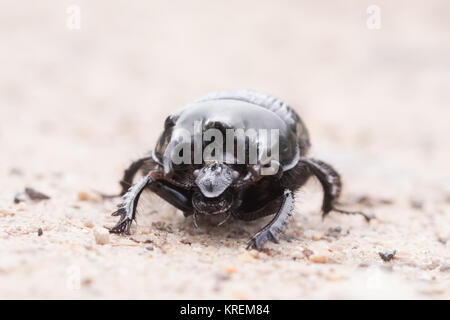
(85, 87)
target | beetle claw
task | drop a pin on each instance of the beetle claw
(122, 227)
(124, 224)
(118, 213)
(259, 240)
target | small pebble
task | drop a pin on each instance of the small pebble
(88, 223)
(86, 196)
(318, 259)
(149, 248)
(334, 232)
(6, 213)
(307, 253)
(101, 235)
(40, 232)
(387, 255)
(416, 204)
(445, 267)
(231, 270)
(185, 241)
(30, 194)
(316, 237)
(15, 172)
(36, 195)
(20, 197)
(447, 198)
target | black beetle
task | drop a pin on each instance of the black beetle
(238, 188)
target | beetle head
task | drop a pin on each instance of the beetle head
(213, 181)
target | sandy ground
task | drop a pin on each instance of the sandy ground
(77, 105)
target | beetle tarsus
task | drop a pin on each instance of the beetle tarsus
(366, 216)
(127, 209)
(124, 224)
(332, 185)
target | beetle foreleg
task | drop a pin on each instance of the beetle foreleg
(276, 226)
(127, 209)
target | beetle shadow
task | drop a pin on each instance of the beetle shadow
(154, 213)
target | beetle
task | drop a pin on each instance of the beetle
(238, 189)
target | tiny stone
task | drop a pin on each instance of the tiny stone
(307, 253)
(83, 196)
(318, 259)
(30, 194)
(387, 255)
(6, 213)
(185, 241)
(363, 265)
(20, 197)
(447, 198)
(86, 196)
(445, 267)
(149, 248)
(36, 195)
(334, 232)
(231, 270)
(416, 204)
(101, 235)
(316, 237)
(40, 232)
(88, 223)
(16, 172)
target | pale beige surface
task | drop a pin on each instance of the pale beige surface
(77, 106)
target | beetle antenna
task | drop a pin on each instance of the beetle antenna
(195, 220)
(226, 219)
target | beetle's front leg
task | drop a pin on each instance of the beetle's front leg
(127, 209)
(277, 225)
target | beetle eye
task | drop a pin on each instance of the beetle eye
(196, 172)
(235, 175)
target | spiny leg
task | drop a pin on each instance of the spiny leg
(127, 209)
(331, 184)
(156, 184)
(277, 225)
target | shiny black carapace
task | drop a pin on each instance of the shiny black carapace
(239, 188)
